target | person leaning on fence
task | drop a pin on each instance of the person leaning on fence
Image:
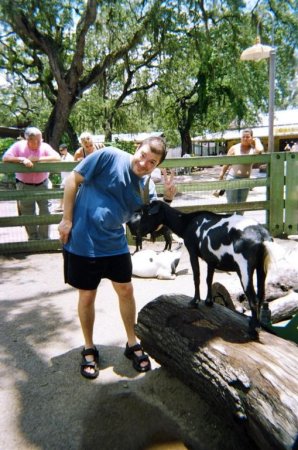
(88, 146)
(65, 157)
(29, 151)
(248, 146)
(100, 195)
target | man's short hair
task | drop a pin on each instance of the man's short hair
(248, 130)
(62, 147)
(85, 137)
(157, 145)
(32, 132)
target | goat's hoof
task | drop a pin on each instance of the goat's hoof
(253, 331)
(194, 303)
(253, 334)
(209, 302)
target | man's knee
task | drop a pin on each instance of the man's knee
(87, 298)
(124, 290)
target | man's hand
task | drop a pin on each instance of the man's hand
(27, 162)
(64, 229)
(169, 186)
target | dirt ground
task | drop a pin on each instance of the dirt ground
(47, 404)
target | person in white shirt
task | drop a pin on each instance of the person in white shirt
(248, 145)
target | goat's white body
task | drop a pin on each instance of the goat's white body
(238, 258)
(236, 221)
(239, 223)
(149, 264)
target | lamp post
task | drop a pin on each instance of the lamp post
(256, 53)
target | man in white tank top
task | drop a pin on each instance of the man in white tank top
(248, 145)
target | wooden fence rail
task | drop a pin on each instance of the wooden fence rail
(280, 200)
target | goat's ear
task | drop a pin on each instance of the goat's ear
(154, 209)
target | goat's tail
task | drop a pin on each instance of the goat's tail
(273, 254)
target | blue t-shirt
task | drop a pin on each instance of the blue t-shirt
(105, 201)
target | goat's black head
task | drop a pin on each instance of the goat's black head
(153, 208)
(151, 217)
(147, 219)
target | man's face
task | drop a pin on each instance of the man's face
(88, 145)
(144, 161)
(246, 138)
(34, 142)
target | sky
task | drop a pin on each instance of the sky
(3, 81)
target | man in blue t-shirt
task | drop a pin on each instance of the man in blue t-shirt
(100, 195)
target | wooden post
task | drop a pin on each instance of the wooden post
(209, 349)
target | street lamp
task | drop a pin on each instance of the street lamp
(256, 53)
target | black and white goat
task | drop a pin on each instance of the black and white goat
(227, 242)
(151, 264)
(134, 228)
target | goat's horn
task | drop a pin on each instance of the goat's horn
(145, 192)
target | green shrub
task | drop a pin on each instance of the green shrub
(5, 144)
(128, 147)
(55, 179)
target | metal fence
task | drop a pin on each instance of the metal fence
(273, 197)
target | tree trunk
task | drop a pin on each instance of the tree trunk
(107, 126)
(58, 120)
(186, 143)
(73, 138)
(210, 350)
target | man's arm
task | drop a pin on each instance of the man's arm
(28, 162)
(13, 159)
(78, 156)
(258, 146)
(72, 184)
(226, 167)
(11, 155)
(169, 186)
(50, 158)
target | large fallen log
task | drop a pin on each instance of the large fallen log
(284, 308)
(209, 349)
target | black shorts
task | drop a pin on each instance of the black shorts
(86, 273)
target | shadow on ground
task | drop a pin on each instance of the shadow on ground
(55, 408)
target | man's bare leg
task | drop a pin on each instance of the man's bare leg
(86, 311)
(127, 308)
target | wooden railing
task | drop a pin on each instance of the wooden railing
(280, 199)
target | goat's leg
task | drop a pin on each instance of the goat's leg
(167, 246)
(167, 234)
(261, 277)
(139, 243)
(254, 322)
(194, 261)
(210, 273)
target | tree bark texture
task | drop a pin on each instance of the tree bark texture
(210, 350)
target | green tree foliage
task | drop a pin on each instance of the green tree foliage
(52, 45)
(137, 65)
(210, 86)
